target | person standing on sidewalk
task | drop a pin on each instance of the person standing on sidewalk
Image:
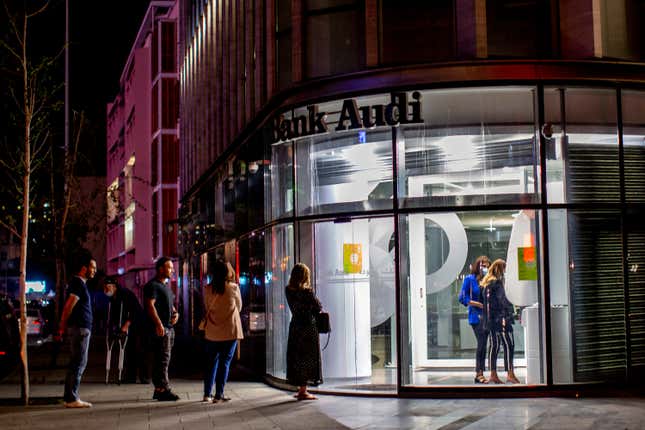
(77, 320)
(159, 303)
(126, 318)
(222, 329)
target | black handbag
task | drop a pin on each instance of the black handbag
(322, 323)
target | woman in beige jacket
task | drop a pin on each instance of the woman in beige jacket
(223, 328)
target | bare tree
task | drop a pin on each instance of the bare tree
(61, 212)
(34, 95)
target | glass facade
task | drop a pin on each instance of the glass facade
(390, 199)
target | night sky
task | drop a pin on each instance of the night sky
(102, 34)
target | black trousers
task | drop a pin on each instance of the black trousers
(481, 335)
(136, 358)
(161, 350)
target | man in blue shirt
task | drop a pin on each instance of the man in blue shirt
(77, 319)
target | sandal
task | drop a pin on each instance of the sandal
(481, 379)
(306, 396)
(512, 380)
(495, 380)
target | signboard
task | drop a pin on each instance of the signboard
(403, 109)
(352, 258)
(526, 264)
(35, 286)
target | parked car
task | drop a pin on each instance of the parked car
(37, 332)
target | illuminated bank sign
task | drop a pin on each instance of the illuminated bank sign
(400, 110)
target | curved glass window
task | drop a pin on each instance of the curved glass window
(440, 338)
(475, 146)
(344, 170)
(353, 274)
(279, 260)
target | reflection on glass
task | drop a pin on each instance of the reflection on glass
(582, 153)
(634, 144)
(354, 278)
(587, 296)
(436, 252)
(476, 146)
(279, 183)
(279, 260)
(338, 173)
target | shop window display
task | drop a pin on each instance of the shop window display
(437, 250)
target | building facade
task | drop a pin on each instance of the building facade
(143, 152)
(389, 145)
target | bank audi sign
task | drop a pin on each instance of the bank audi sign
(400, 110)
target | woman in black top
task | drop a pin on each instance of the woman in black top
(498, 315)
(303, 348)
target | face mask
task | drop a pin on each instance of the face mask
(484, 270)
(109, 293)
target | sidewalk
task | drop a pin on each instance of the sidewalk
(257, 406)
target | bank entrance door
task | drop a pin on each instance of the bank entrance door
(353, 271)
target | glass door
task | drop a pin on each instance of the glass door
(353, 271)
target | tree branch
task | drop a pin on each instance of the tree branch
(38, 11)
(11, 229)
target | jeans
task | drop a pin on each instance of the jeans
(482, 339)
(506, 340)
(218, 361)
(161, 349)
(79, 339)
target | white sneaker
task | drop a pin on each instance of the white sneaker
(208, 399)
(78, 404)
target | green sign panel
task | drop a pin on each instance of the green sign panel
(526, 264)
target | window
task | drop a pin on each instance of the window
(417, 32)
(623, 31)
(476, 146)
(353, 273)
(279, 184)
(587, 296)
(154, 162)
(154, 116)
(170, 159)
(279, 260)
(155, 224)
(170, 102)
(129, 232)
(345, 170)
(634, 144)
(438, 251)
(283, 44)
(518, 28)
(582, 156)
(168, 47)
(334, 38)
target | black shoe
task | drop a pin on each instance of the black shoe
(155, 395)
(221, 399)
(167, 396)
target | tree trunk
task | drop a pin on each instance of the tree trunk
(24, 236)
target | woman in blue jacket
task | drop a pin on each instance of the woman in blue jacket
(470, 297)
(498, 317)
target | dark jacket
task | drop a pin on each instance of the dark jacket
(124, 306)
(497, 308)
